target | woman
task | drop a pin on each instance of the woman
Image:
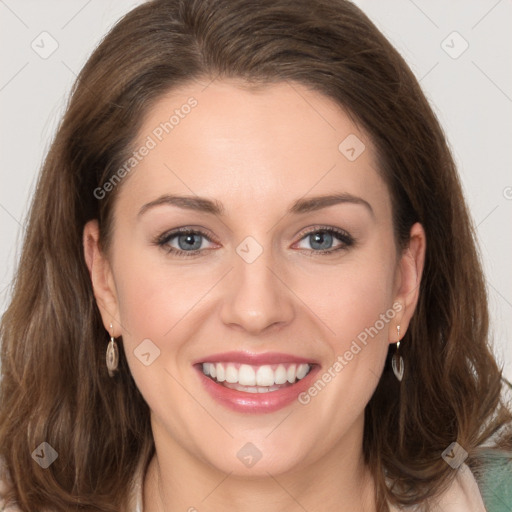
(245, 205)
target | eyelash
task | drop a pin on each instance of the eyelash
(164, 239)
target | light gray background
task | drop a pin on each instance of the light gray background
(470, 91)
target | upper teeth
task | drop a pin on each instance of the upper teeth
(248, 375)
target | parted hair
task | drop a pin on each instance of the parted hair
(55, 386)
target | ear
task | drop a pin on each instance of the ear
(102, 278)
(408, 278)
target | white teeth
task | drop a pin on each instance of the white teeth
(302, 370)
(265, 376)
(291, 374)
(281, 375)
(221, 374)
(231, 374)
(246, 375)
(207, 368)
(256, 379)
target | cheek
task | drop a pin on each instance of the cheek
(351, 297)
(154, 295)
(355, 303)
(159, 304)
(155, 306)
(358, 308)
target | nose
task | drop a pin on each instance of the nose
(256, 297)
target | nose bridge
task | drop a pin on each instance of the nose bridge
(256, 298)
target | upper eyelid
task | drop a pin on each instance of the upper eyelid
(307, 231)
(172, 233)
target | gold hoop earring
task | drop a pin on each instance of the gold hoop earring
(112, 357)
(397, 361)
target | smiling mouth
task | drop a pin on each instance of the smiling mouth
(255, 378)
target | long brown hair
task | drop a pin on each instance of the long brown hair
(55, 386)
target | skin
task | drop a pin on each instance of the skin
(256, 151)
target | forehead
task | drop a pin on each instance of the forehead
(247, 146)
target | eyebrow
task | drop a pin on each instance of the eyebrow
(302, 205)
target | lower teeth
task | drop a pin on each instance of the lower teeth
(253, 389)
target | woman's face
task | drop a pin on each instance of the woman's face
(288, 265)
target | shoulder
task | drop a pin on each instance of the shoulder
(463, 495)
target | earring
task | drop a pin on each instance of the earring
(397, 362)
(112, 354)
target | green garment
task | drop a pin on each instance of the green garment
(495, 480)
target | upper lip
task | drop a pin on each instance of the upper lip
(254, 359)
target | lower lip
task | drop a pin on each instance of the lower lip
(241, 401)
